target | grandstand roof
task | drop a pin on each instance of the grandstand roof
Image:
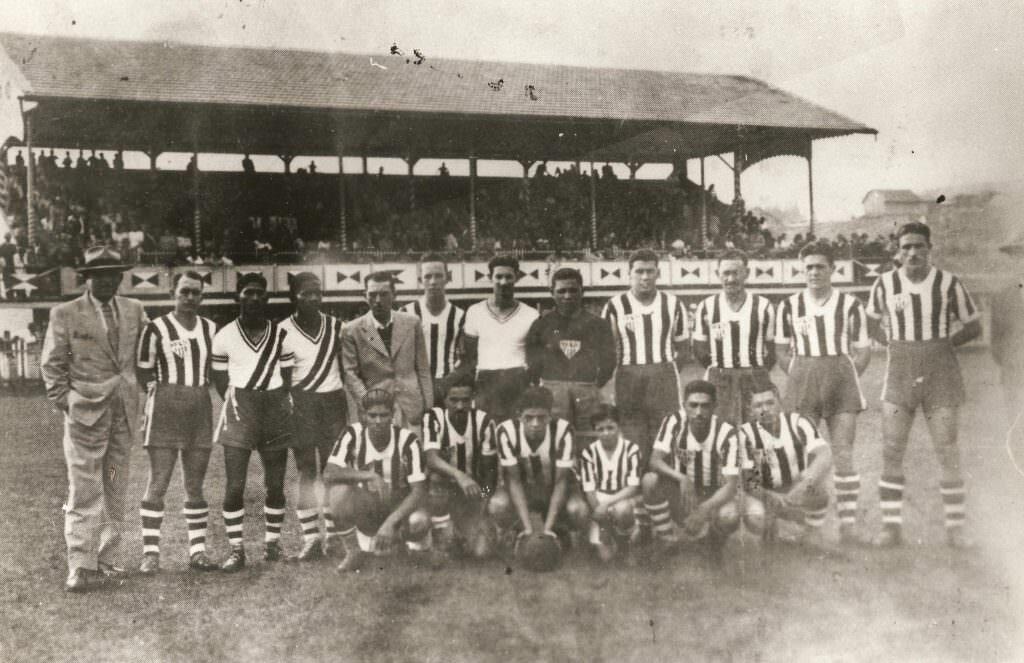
(173, 96)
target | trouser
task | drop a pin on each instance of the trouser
(97, 458)
(575, 402)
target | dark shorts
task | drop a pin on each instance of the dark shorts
(498, 392)
(318, 419)
(923, 374)
(178, 417)
(466, 512)
(574, 402)
(255, 420)
(820, 387)
(371, 510)
(644, 395)
(734, 387)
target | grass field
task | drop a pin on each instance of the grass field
(922, 602)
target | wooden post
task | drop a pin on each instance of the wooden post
(703, 208)
(593, 207)
(810, 182)
(412, 181)
(197, 216)
(472, 202)
(633, 167)
(737, 171)
(342, 212)
(30, 178)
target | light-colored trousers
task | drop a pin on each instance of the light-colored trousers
(98, 459)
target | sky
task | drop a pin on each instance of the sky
(940, 80)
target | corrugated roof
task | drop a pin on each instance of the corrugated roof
(60, 67)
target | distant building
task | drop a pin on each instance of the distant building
(895, 203)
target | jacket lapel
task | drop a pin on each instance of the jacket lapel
(399, 334)
(373, 336)
(96, 328)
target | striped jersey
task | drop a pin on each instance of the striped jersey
(537, 462)
(610, 472)
(645, 333)
(828, 330)
(252, 365)
(704, 462)
(180, 356)
(736, 339)
(920, 311)
(316, 357)
(462, 449)
(778, 461)
(442, 333)
(399, 463)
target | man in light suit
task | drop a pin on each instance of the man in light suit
(385, 349)
(88, 364)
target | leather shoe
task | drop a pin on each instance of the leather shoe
(112, 572)
(272, 553)
(150, 564)
(235, 561)
(82, 580)
(200, 562)
(312, 550)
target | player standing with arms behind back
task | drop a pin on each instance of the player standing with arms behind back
(319, 398)
(174, 359)
(822, 342)
(920, 303)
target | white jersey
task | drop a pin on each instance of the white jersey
(779, 461)
(442, 333)
(501, 339)
(610, 472)
(536, 464)
(646, 333)
(921, 311)
(252, 366)
(316, 357)
(828, 330)
(463, 449)
(736, 339)
(180, 356)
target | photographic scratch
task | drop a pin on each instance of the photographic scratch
(378, 65)
(497, 85)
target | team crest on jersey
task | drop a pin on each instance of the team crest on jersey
(901, 301)
(179, 348)
(803, 326)
(634, 321)
(569, 347)
(717, 331)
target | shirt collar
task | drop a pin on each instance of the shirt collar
(96, 304)
(377, 323)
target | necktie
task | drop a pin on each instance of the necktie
(108, 316)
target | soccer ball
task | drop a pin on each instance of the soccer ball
(539, 553)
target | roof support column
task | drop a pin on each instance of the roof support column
(411, 161)
(197, 215)
(737, 171)
(30, 181)
(287, 159)
(633, 167)
(810, 182)
(472, 202)
(342, 212)
(153, 154)
(366, 166)
(703, 208)
(593, 207)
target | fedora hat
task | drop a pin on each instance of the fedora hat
(102, 259)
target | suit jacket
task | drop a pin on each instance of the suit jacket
(1008, 328)
(405, 371)
(80, 368)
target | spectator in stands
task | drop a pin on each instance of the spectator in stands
(67, 163)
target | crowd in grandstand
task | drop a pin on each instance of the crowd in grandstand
(247, 217)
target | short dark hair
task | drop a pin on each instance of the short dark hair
(733, 254)
(380, 277)
(819, 249)
(536, 397)
(377, 397)
(457, 379)
(642, 255)
(604, 411)
(761, 388)
(248, 278)
(433, 257)
(502, 261)
(700, 387)
(915, 228)
(188, 273)
(567, 274)
(296, 281)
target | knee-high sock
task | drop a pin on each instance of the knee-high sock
(274, 517)
(661, 519)
(152, 520)
(847, 492)
(309, 521)
(233, 526)
(890, 497)
(196, 516)
(954, 495)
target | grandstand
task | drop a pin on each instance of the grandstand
(75, 107)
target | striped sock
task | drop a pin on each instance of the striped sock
(440, 522)
(274, 517)
(954, 495)
(308, 521)
(332, 529)
(660, 518)
(815, 517)
(233, 526)
(152, 519)
(847, 492)
(196, 515)
(890, 497)
(643, 518)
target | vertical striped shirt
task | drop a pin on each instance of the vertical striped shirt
(736, 339)
(462, 449)
(316, 357)
(610, 472)
(920, 311)
(180, 356)
(777, 462)
(705, 462)
(645, 333)
(251, 365)
(399, 463)
(442, 333)
(537, 463)
(828, 330)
